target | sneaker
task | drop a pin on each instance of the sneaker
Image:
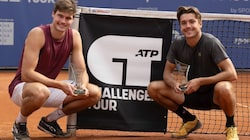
(231, 133)
(20, 131)
(187, 128)
(51, 128)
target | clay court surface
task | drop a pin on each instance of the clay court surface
(9, 112)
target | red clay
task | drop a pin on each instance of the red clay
(9, 112)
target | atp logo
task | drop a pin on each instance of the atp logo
(123, 60)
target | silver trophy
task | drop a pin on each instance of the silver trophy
(77, 75)
(181, 74)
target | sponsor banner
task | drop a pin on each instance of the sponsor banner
(216, 6)
(16, 19)
(123, 54)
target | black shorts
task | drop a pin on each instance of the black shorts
(202, 99)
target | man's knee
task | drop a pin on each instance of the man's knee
(224, 92)
(152, 88)
(95, 94)
(37, 93)
(224, 87)
(35, 96)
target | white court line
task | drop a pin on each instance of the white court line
(241, 105)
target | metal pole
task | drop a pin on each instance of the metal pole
(71, 119)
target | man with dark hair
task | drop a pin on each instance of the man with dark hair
(210, 76)
(46, 50)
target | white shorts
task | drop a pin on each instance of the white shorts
(55, 99)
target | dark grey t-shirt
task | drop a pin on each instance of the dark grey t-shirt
(203, 58)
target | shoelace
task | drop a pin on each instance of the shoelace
(22, 129)
(57, 127)
(230, 132)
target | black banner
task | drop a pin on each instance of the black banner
(123, 54)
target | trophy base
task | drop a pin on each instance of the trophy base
(79, 91)
(183, 87)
